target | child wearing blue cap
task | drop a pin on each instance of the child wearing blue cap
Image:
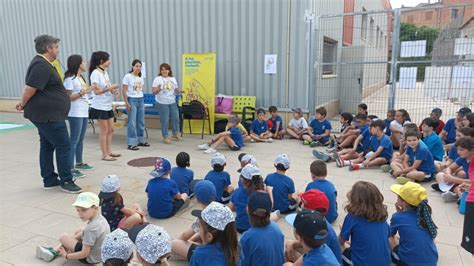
(220, 178)
(164, 199)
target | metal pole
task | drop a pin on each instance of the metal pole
(395, 52)
(315, 70)
(309, 17)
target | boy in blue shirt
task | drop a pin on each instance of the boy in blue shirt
(319, 129)
(448, 135)
(164, 199)
(417, 165)
(275, 123)
(283, 186)
(232, 137)
(311, 232)
(182, 176)
(381, 148)
(259, 129)
(319, 172)
(262, 243)
(361, 144)
(220, 178)
(432, 141)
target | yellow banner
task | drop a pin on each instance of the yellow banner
(199, 83)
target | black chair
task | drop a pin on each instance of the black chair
(195, 110)
(248, 116)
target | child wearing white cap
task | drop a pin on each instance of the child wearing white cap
(113, 209)
(220, 178)
(85, 244)
(283, 186)
(219, 237)
(153, 245)
(117, 248)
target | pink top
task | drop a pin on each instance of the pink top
(470, 195)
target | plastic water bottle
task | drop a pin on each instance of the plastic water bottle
(462, 204)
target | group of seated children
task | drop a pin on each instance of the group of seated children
(113, 230)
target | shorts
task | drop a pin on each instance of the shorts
(428, 177)
(360, 149)
(346, 257)
(395, 259)
(100, 114)
(191, 250)
(235, 148)
(78, 248)
(468, 229)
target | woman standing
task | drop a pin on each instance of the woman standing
(133, 96)
(101, 107)
(78, 91)
(165, 87)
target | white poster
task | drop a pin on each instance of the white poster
(462, 83)
(464, 46)
(407, 79)
(143, 70)
(413, 49)
(437, 81)
(270, 64)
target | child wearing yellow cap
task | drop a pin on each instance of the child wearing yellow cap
(84, 244)
(416, 230)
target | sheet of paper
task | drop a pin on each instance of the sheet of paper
(437, 81)
(413, 49)
(270, 64)
(464, 46)
(462, 83)
(407, 79)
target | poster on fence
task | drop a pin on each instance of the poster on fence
(199, 84)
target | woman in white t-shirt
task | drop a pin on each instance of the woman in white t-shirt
(132, 89)
(165, 87)
(101, 106)
(78, 90)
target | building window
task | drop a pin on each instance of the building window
(410, 19)
(429, 15)
(329, 56)
(454, 13)
(363, 33)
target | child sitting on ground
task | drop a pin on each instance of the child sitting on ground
(432, 141)
(361, 144)
(396, 127)
(346, 122)
(436, 115)
(84, 244)
(263, 243)
(449, 180)
(314, 200)
(259, 129)
(275, 123)
(311, 233)
(362, 109)
(416, 230)
(113, 209)
(243, 130)
(319, 173)
(381, 148)
(388, 120)
(417, 165)
(297, 125)
(187, 242)
(164, 199)
(453, 152)
(282, 185)
(181, 175)
(232, 137)
(219, 237)
(220, 178)
(117, 249)
(448, 135)
(319, 130)
(365, 226)
(153, 246)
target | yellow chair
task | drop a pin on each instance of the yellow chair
(240, 105)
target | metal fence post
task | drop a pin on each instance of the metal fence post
(395, 43)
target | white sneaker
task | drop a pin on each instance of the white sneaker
(210, 151)
(269, 140)
(203, 146)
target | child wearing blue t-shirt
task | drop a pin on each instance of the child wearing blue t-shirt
(275, 123)
(365, 226)
(311, 233)
(181, 175)
(319, 172)
(164, 199)
(220, 178)
(232, 137)
(361, 144)
(415, 227)
(263, 243)
(381, 148)
(431, 139)
(219, 238)
(449, 180)
(448, 134)
(418, 164)
(319, 130)
(453, 152)
(259, 129)
(282, 185)
(388, 120)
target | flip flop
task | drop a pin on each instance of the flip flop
(144, 144)
(115, 154)
(132, 148)
(108, 158)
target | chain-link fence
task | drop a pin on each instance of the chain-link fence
(414, 59)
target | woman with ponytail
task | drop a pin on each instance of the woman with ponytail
(414, 225)
(101, 107)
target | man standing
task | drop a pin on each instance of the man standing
(46, 104)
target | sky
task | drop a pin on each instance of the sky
(408, 3)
